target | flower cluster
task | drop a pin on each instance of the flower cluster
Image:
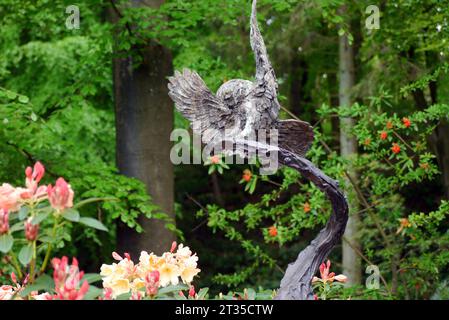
(151, 272)
(68, 280)
(12, 198)
(9, 292)
(395, 148)
(6, 292)
(327, 276)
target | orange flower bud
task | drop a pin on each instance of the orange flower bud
(247, 174)
(215, 159)
(406, 121)
(273, 231)
(307, 207)
(396, 148)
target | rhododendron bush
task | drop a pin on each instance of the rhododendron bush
(153, 277)
(35, 219)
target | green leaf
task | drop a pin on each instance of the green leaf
(6, 242)
(93, 223)
(24, 99)
(11, 95)
(171, 289)
(124, 296)
(46, 239)
(202, 293)
(92, 277)
(23, 212)
(253, 185)
(43, 283)
(93, 293)
(39, 217)
(71, 215)
(17, 227)
(26, 254)
(92, 200)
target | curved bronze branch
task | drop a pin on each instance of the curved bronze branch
(297, 281)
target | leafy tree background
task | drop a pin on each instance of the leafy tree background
(56, 106)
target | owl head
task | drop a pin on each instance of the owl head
(234, 92)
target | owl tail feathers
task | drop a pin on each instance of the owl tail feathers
(295, 136)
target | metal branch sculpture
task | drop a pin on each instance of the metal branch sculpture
(241, 107)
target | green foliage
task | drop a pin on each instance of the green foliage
(56, 106)
(65, 117)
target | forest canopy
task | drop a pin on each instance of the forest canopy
(83, 92)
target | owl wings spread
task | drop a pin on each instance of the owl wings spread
(210, 116)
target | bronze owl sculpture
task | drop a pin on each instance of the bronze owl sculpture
(240, 106)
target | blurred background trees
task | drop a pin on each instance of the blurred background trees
(57, 106)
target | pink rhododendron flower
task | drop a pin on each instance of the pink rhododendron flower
(68, 279)
(173, 246)
(34, 176)
(9, 197)
(152, 282)
(116, 256)
(136, 296)
(327, 276)
(61, 195)
(33, 191)
(43, 296)
(31, 230)
(4, 221)
(6, 292)
(341, 278)
(324, 271)
(107, 294)
(192, 292)
(35, 195)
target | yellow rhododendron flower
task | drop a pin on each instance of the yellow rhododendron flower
(169, 273)
(188, 274)
(119, 286)
(125, 276)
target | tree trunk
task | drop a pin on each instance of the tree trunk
(348, 145)
(144, 121)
